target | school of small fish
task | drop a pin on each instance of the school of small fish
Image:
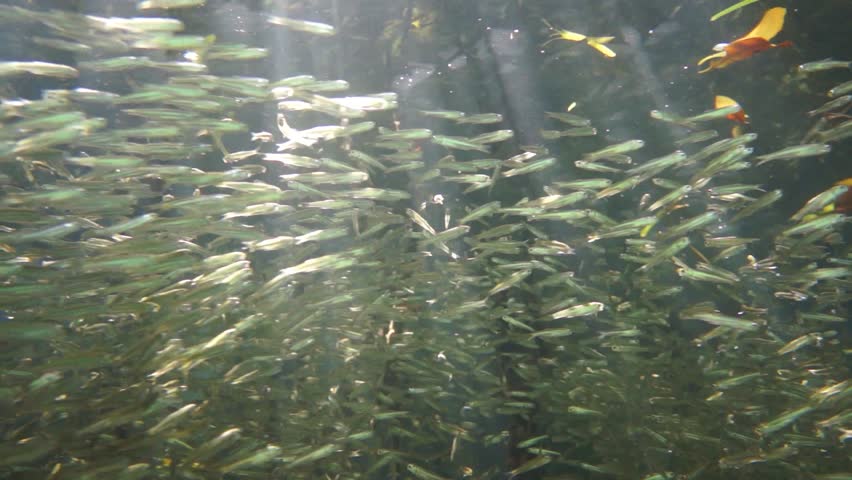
(173, 308)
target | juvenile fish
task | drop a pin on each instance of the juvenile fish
(691, 224)
(671, 197)
(569, 118)
(824, 223)
(167, 4)
(727, 278)
(447, 235)
(796, 151)
(409, 134)
(319, 178)
(579, 310)
(45, 69)
(722, 146)
(471, 178)
(799, 343)
(697, 137)
(835, 104)
(534, 463)
(585, 184)
(50, 122)
(841, 89)
(172, 419)
(555, 201)
(822, 65)
(443, 114)
(493, 137)
(116, 64)
(553, 333)
(259, 457)
(725, 161)
(782, 420)
(818, 202)
(221, 441)
(510, 281)
(666, 253)
(532, 441)
(44, 234)
(458, 143)
(315, 28)
(839, 132)
(716, 318)
(565, 215)
(485, 210)
(764, 201)
(108, 162)
(130, 224)
(623, 147)
(657, 165)
(627, 184)
(573, 132)
(173, 42)
(422, 473)
(595, 167)
(315, 455)
(535, 166)
(481, 118)
(669, 117)
(732, 382)
(713, 114)
(624, 229)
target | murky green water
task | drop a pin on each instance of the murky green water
(503, 239)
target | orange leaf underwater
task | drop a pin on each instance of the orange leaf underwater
(739, 116)
(753, 42)
(843, 203)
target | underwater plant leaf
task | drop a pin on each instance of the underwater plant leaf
(721, 101)
(606, 51)
(732, 8)
(769, 26)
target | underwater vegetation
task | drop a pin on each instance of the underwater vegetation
(757, 40)
(210, 271)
